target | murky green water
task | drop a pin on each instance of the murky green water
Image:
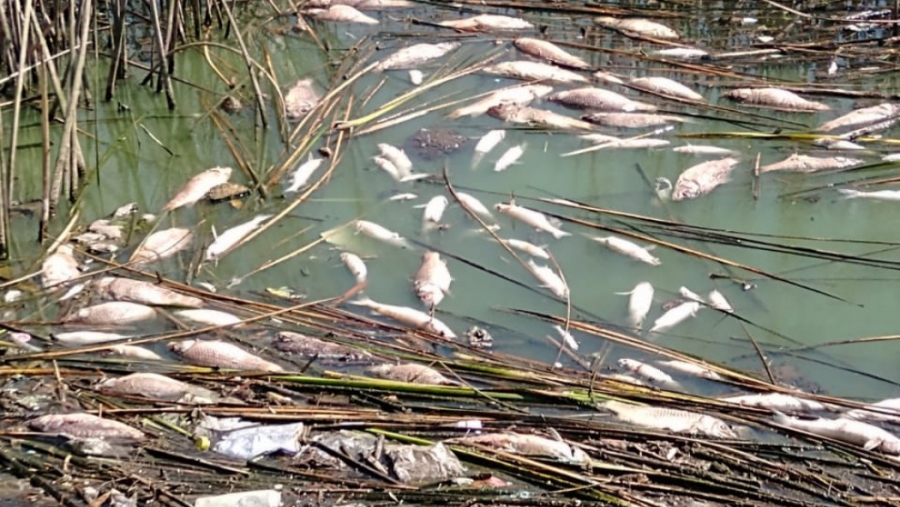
(128, 165)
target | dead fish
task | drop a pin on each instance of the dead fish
(550, 52)
(700, 179)
(683, 53)
(807, 164)
(487, 22)
(522, 95)
(355, 265)
(690, 295)
(884, 410)
(533, 71)
(690, 369)
(416, 55)
(341, 14)
(209, 317)
(838, 145)
(631, 120)
(387, 166)
(639, 303)
(406, 196)
(487, 143)
(106, 229)
(379, 233)
(416, 77)
(509, 157)
(528, 445)
(434, 212)
(628, 249)
(867, 436)
(143, 292)
(301, 99)
(162, 244)
(135, 352)
(87, 337)
(641, 143)
(154, 385)
(361, 4)
(774, 98)
(702, 150)
(112, 313)
(676, 421)
(598, 99)
(530, 217)
(307, 346)
(410, 372)
(675, 316)
(863, 117)
(432, 281)
(407, 316)
(528, 248)
(398, 157)
(648, 372)
(775, 401)
(197, 187)
(549, 279)
(597, 138)
(566, 336)
(59, 267)
(81, 425)
(718, 301)
(221, 354)
(877, 195)
(302, 174)
(666, 86)
(638, 26)
(475, 206)
(231, 237)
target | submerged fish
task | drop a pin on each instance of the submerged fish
(135, 352)
(628, 249)
(774, 98)
(533, 71)
(198, 186)
(651, 373)
(143, 292)
(112, 313)
(702, 150)
(701, 179)
(639, 303)
(775, 401)
(509, 157)
(413, 56)
(631, 120)
(230, 237)
(867, 436)
(300, 100)
(676, 421)
(341, 14)
(675, 316)
(475, 206)
(538, 117)
(87, 337)
(549, 279)
(683, 53)
(361, 4)
(302, 174)
(598, 99)
(877, 195)
(379, 233)
(487, 22)
(530, 217)
(550, 52)
(567, 337)
(434, 212)
(432, 280)
(638, 26)
(407, 316)
(355, 265)
(410, 372)
(522, 95)
(690, 369)
(717, 300)
(526, 247)
(690, 295)
(884, 112)
(398, 158)
(209, 317)
(162, 244)
(528, 445)
(82, 425)
(59, 267)
(666, 86)
(221, 354)
(807, 164)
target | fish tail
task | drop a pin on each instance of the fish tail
(362, 301)
(849, 193)
(560, 234)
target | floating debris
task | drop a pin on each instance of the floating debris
(598, 99)
(550, 52)
(416, 55)
(221, 354)
(528, 445)
(139, 291)
(410, 372)
(227, 191)
(301, 99)
(258, 440)
(628, 249)
(487, 22)
(154, 385)
(775, 98)
(533, 71)
(638, 26)
(807, 164)
(197, 187)
(435, 142)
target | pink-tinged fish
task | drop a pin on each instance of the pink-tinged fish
(807, 164)
(221, 354)
(209, 317)
(162, 244)
(598, 99)
(676, 421)
(143, 292)
(432, 281)
(546, 50)
(628, 249)
(666, 86)
(533, 71)
(341, 14)
(410, 372)
(81, 425)
(416, 55)
(407, 316)
(695, 370)
(197, 187)
(632, 120)
(885, 112)
(537, 117)
(135, 352)
(538, 252)
(300, 100)
(87, 337)
(487, 22)
(522, 95)
(867, 436)
(115, 313)
(701, 179)
(59, 267)
(638, 26)
(530, 217)
(775, 98)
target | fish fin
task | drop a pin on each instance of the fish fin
(873, 444)
(781, 418)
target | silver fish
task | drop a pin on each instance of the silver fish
(87, 337)
(209, 317)
(639, 304)
(106, 229)
(475, 206)
(410, 372)
(528, 445)
(307, 346)
(406, 196)
(676, 421)
(434, 212)
(538, 252)
(432, 280)
(414, 56)
(776, 401)
(416, 77)
(806, 164)
(302, 174)
(487, 143)
(629, 249)
(550, 52)
(701, 179)
(884, 410)
(221, 354)
(301, 99)
(230, 237)
(718, 301)
(135, 352)
(537, 117)
(549, 279)
(83, 425)
(355, 265)
(509, 157)
(197, 187)
(361, 4)
(775, 98)
(838, 145)
(162, 244)
(690, 369)
(487, 22)
(407, 316)
(651, 373)
(675, 316)
(877, 195)
(850, 431)
(530, 217)
(397, 157)
(341, 14)
(566, 336)
(379, 233)
(59, 267)
(387, 166)
(641, 143)
(112, 313)
(666, 86)
(884, 112)
(702, 150)
(638, 26)
(522, 95)
(683, 53)
(598, 99)
(533, 71)
(143, 292)
(631, 120)
(154, 385)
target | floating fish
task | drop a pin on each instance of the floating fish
(676, 421)
(154, 385)
(379, 233)
(416, 55)
(703, 150)
(651, 373)
(690, 295)
(533, 71)
(884, 112)
(631, 120)
(162, 244)
(355, 265)
(87, 337)
(838, 145)
(530, 217)
(774, 98)
(629, 249)
(197, 187)
(307, 346)
(81, 425)
(528, 248)
(407, 316)
(341, 14)
(300, 100)
(509, 157)
(475, 206)
(432, 281)
(135, 352)
(718, 301)
(398, 157)
(361, 4)
(666, 86)
(775, 401)
(807, 164)
(550, 52)
(230, 237)
(640, 143)
(537, 117)
(209, 317)
(690, 369)
(302, 174)
(639, 304)
(410, 372)
(884, 410)
(387, 166)
(701, 179)
(528, 445)
(487, 22)
(867, 436)
(221, 354)
(59, 267)
(567, 337)
(403, 197)
(434, 212)
(638, 26)
(549, 279)
(675, 316)
(522, 95)
(683, 53)
(112, 313)
(876, 195)
(106, 229)
(143, 292)
(598, 99)
(487, 143)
